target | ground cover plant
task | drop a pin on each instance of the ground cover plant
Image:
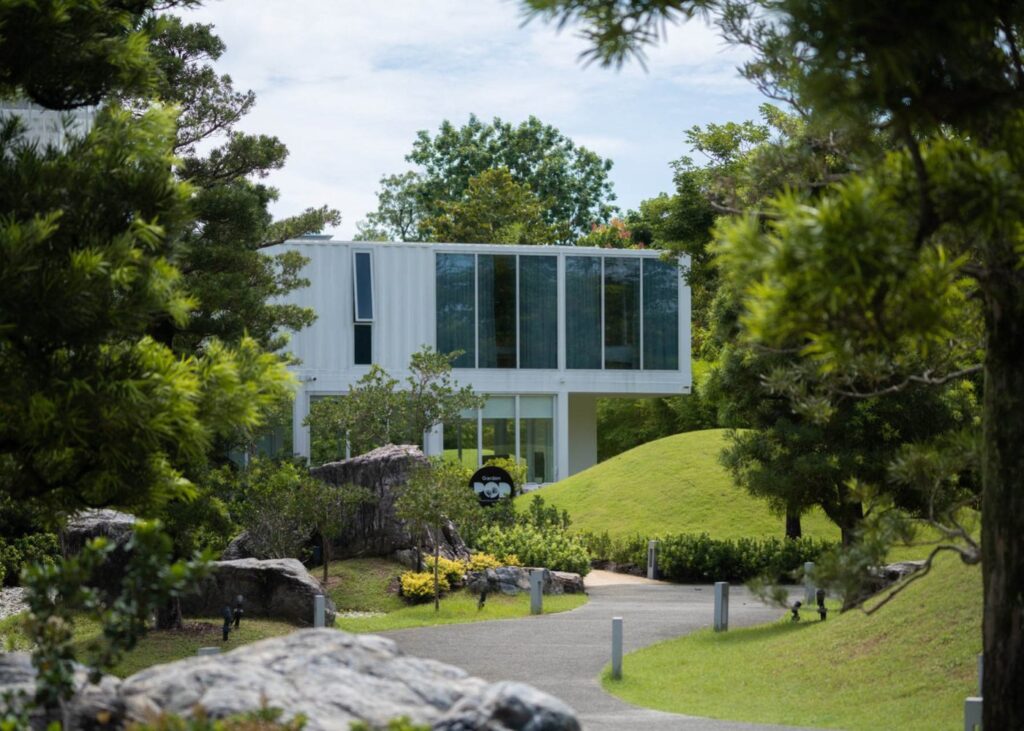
(909, 666)
(671, 485)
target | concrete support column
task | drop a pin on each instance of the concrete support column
(562, 435)
(300, 432)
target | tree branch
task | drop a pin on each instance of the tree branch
(926, 379)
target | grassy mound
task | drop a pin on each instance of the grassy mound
(909, 666)
(671, 485)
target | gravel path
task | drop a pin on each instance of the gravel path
(563, 653)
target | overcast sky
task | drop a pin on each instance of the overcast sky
(346, 86)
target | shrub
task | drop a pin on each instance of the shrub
(450, 571)
(700, 558)
(510, 559)
(418, 586)
(483, 561)
(552, 548)
(620, 550)
(29, 549)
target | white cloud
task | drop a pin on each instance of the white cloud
(347, 84)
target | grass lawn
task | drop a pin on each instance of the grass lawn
(368, 585)
(165, 646)
(909, 666)
(671, 485)
(457, 607)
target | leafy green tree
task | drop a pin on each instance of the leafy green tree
(376, 411)
(493, 209)
(571, 182)
(436, 495)
(221, 252)
(886, 267)
(329, 510)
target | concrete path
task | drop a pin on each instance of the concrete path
(563, 654)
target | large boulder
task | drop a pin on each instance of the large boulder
(513, 580)
(279, 588)
(332, 678)
(117, 528)
(375, 529)
(91, 704)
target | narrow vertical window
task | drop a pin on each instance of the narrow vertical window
(363, 346)
(583, 311)
(455, 276)
(363, 286)
(661, 315)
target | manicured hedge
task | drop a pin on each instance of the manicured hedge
(550, 547)
(691, 558)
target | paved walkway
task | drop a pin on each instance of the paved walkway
(563, 653)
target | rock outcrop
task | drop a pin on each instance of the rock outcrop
(278, 588)
(331, 677)
(115, 526)
(516, 580)
(375, 529)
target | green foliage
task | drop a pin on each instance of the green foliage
(263, 719)
(21, 552)
(552, 547)
(493, 209)
(451, 571)
(395, 724)
(57, 591)
(570, 182)
(541, 516)
(698, 558)
(376, 412)
(419, 586)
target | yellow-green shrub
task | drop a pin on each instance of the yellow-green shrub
(453, 571)
(418, 586)
(510, 559)
(483, 561)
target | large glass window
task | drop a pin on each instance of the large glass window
(456, 307)
(460, 444)
(497, 425)
(621, 313)
(583, 311)
(496, 291)
(363, 344)
(661, 315)
(538, 312)
(537, 437)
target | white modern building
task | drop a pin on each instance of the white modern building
(545, 331)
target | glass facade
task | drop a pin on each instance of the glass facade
(583, 317)
(621, 313)
(456, 307)
(537, 437)
(496, 294)
(501, 310)
(497, 431)
(363, 275)
(661, 315)
(538, 312)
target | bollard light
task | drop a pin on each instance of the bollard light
(536, 591)
(652, 560)
(810, 590)
(721, 606)
(318, 610)
(616, 648)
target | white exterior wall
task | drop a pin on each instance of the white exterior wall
(404, 320)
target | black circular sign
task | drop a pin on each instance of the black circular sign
(491, 484)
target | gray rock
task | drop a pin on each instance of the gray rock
(279, 588)
(513, 580)
(89, 707)
(115, 526)
(375, 529)
(567, 582)
(331, 677)
(239, 547)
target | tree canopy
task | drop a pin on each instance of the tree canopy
(570, 182)
(912, 258)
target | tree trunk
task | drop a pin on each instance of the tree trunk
(793, 528)
(169, 615)
(325, 556)
(437, 563)
(1002, 468)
